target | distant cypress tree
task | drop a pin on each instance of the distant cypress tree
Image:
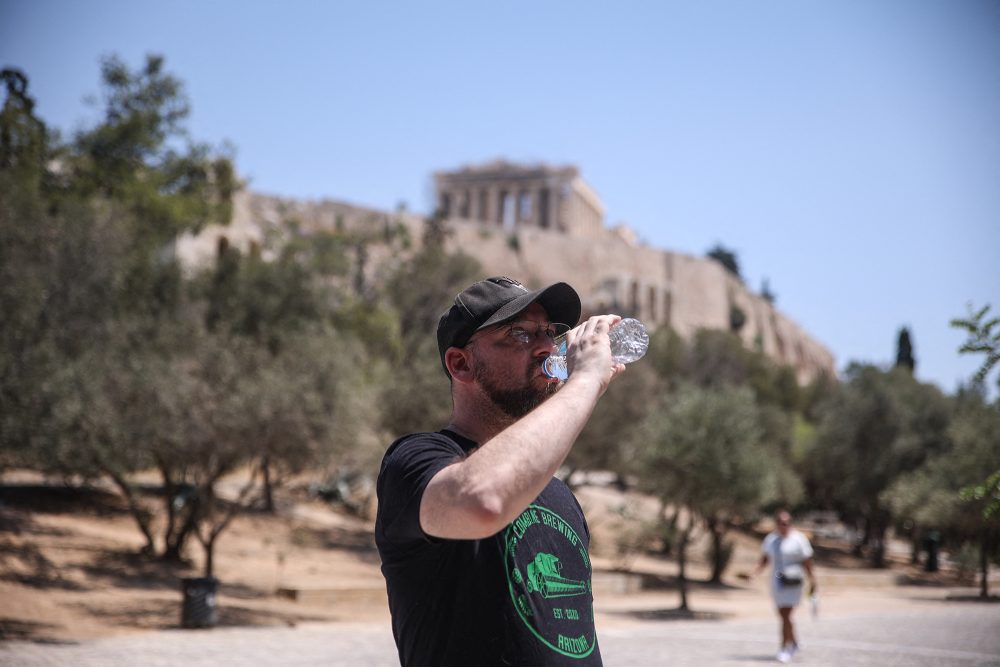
(904, 350)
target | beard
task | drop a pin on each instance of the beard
(515, 402)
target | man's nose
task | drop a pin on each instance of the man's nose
(543, 343)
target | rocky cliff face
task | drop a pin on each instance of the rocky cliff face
(612, 272)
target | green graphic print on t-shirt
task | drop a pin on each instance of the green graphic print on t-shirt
(549, 579)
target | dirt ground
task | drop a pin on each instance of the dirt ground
(70, 569)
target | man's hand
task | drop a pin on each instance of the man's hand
(589, 350)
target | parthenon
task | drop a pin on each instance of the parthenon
(510, 196)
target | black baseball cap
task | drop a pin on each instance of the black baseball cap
(496, 300)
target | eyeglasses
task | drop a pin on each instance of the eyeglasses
(526, 331)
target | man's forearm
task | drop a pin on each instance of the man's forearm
(481, 494)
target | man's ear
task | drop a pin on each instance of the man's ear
(459, 363)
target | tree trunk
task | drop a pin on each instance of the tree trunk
(682, 585)
(175, 548)
(717, 564)
(878, 545)
(916, 544)
(859, 545)
(984, 565)
(361, 255)
(207, 517)
(265, 466)
(209, 546)
(169, 493)
(138, 512)
(668, 528)
(621, 483)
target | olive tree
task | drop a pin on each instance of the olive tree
(874, 429)
(701, 451)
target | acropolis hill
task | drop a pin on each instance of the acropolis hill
(543, 224)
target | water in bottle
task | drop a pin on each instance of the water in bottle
(629, 342)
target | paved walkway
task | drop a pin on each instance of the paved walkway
(956, 634)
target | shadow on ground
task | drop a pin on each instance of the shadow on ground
(359, 541)
(659, 582)
(672, 614)
(25, 564)
(12, 629)
(992, 599)
(751, 658)
(166, 615)
(56, 499)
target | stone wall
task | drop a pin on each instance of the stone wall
(615, 274)
(611, 270)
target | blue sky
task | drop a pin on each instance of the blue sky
(848, 151)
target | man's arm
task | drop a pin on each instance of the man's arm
(478, 496)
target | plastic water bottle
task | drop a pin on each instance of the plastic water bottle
(629, 342)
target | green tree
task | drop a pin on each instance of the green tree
(28, 245)
(737, 318)
(701, 451)
(983, 338)
(606, 441)
(904, 351)
(200, 407)
(24, 139)
(419, 292)
(58, 272)
(92, 281)
(245, 406)
(874, 429)
(286, 305)
(142, 156)
(667, 355)
(101, 422)
(938, 495)
(85, 238)
(716, 358)
(985, 496)
(988, 492)
(727, 258)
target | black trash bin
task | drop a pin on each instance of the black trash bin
(199, 610)
(931, 543)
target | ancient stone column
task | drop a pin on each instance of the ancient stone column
(444, 203)
(496, 206)
(554, 221)
(542, 208)
(462, 204)
(476, 204)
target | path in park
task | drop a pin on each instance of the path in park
(961, 634)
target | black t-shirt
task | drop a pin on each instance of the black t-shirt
(520, 597)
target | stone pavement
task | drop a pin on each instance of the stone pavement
(957, 634)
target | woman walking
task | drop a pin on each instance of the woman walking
(791, 555)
